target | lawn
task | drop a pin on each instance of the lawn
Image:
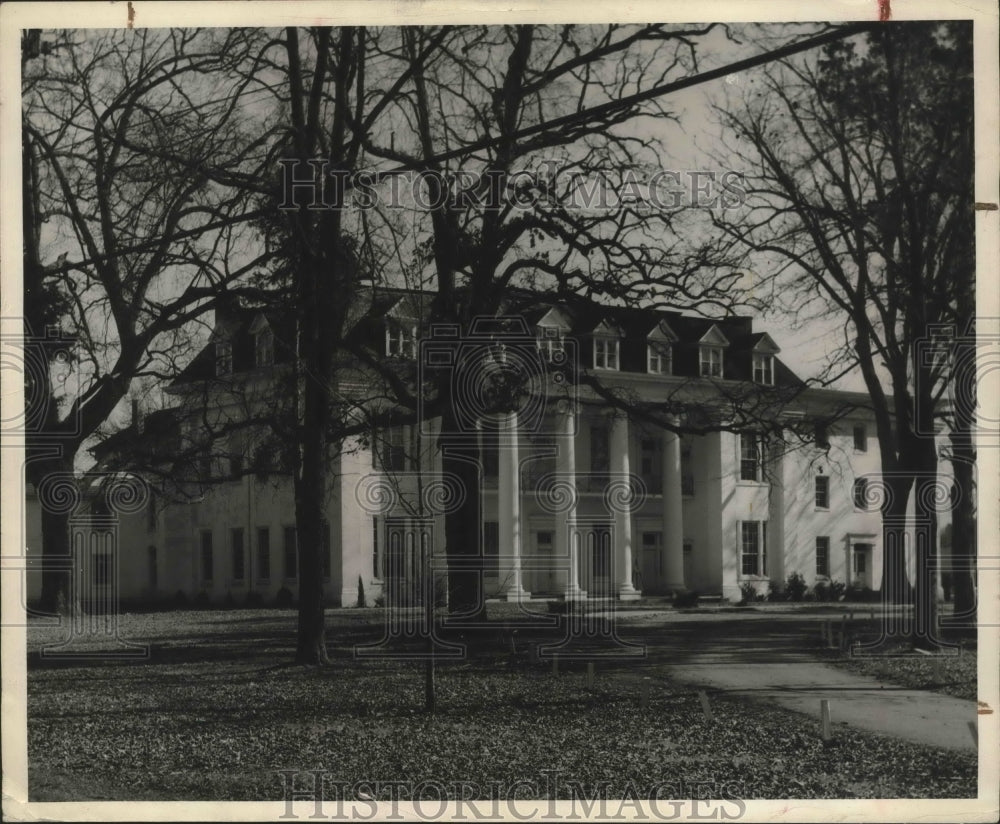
(216, 712)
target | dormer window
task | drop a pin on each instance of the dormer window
(550, 342)
(263, 348)
(606, 339)
(763, 360)
(223, 357)
(711, 346)
(763, 368)
(659, 350)
(605, 353)
(400, 338)
(711, 361)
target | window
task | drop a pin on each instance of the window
(391, 449)
(223, 357)
(263, 553)
(263, 348)
(100, 568)
(763, 368)
(605, 353)
(711, 362)
(659, 359)
(753, 547)
(401, 339)
(377, 561)
(651, 464)
(290, 553)
(860, 438)
(550, 342)
(751, 456)
(153, 571)
(823, 555)
(325, 560)
(861, 493)
(860, 557)
(687, 469)
(239, 558)
(822, 492)
(491, 547)
(600, 456)
(821, 436)
(207, 561)
(491, 454)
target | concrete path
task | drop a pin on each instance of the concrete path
(771, 661)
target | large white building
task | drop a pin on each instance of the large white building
(578, 497)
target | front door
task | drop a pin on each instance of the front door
(545, 581)
(598, 561)
(652, 558)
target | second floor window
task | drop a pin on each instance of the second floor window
(711, 362)
(605, 353)
(263, 348)
(751, 456)
(860, 438)
(822, 492)
(223, 357)
(763, 369)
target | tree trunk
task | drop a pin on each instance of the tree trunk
(896, 587)
(462, 528)
(963, 529)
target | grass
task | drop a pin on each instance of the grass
(215, 713)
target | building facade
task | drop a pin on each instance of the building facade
(609, 477)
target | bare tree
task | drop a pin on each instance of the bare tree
(124, 246)
(862, 192)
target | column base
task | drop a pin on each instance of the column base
(575, 594)
(627, 592)
(517, 594)
(674, 589)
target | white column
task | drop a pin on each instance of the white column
(567, 543)
(620, 465)
(673, 519)
(509, 506)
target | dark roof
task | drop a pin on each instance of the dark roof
(367, 321)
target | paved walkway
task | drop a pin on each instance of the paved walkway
(770, 661)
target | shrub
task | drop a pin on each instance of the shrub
(775, 591)
(795, 587)
(686, 599)
(283, 598)
(180, 598)
(230, 600)
(822, 591)
(837, 590)
(379, 600)
(201, 599)
(361, 593)
(749, 593)
(254, 599)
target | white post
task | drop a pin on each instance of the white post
(509, 503)
(567, 546)
(623, 511)
(673, 518)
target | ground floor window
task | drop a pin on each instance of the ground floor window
(239, 558)
(207, 561)
(753, 547)
(290, 553)
(263, 553)
(823, 555)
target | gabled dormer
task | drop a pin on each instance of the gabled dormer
(711, 347)
(222, 343)
(550, 333)
(263, 341)
(606, 338)
(401, 330)
(660, 349)
(763, 360)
